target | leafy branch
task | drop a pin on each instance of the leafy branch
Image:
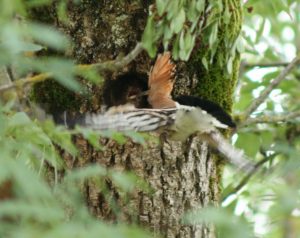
(273, 119)
(250, 174)
(111, 65)
(263, 96)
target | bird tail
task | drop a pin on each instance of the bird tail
(235, 156)
(161, 80)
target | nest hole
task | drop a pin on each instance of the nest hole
(126, 88)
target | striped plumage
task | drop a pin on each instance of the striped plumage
(185, 114)
(180, 118)
(135, 120)
(180, 122)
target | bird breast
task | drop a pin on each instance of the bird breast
(189, 120)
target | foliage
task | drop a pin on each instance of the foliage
(177, 24)
(32, 204)
(35, 208)
(271, 199)
(267, 205)
(227, 224)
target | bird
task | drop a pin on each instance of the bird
(179, 118)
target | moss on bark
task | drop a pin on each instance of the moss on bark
(216, 83)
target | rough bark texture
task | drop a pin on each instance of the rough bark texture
(183, 176)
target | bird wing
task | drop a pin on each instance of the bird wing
(161, 82)
(131, 120)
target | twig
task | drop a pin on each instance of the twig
(255, 104)
(272, 119)
(265, 65)
(25, 81)
(120, 63)
(245, 180)
(111, 65)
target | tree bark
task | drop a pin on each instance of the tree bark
(183, 176)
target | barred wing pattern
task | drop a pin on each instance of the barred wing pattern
(153, 119)
(136, 120)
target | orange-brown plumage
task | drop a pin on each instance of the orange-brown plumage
(161, 82)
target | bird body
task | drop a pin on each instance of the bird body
(180, 122)
(189, 120)
(180, 118)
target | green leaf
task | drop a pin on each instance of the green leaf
(32, 47)
(192, 14)
(161, 6)
(91, 75)
(266, 138)
(175, 50)
(249, 142)
(269, 76)
(260, 31)
(63, 71)
(30, 211)
(188, 41)
(249, 45)
(84, 173)
(213, 35)
(240, 44)
(148, 38)
(19, 119)
(136, 137)
(229, 225)
(178, 21)
(117, 136)
(92, 137)
(62, 11)
(229, 65)
(181, 41)
(60, 136)
(200, 5)
(9, 8)
(48, 36)
(168, 33)
(243, 102)
(126, 181)
(173, 9)
(205, 63)
(12, 40)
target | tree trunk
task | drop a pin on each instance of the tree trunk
(183, 176)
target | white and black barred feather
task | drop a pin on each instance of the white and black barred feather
(132, 120)
(180, 123)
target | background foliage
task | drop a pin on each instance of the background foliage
(270, 200)
(267, 205)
